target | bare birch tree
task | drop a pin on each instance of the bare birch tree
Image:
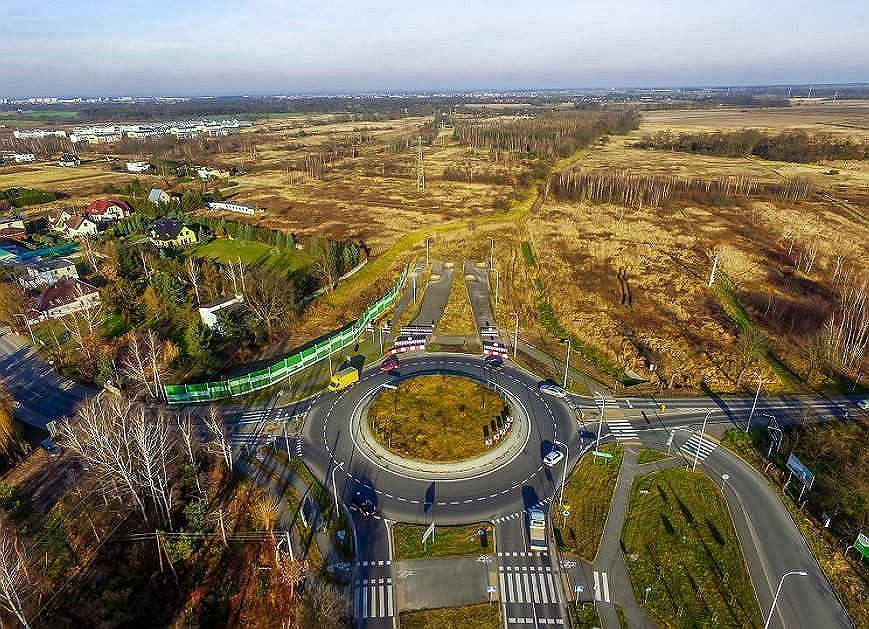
(16, 582)
(220, 443)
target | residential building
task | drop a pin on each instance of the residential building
(108, 210)
(33, 274)
(159, 196)
(32, 134)
(23, 158)
(80, 225)
(66, 296)
(171, 233)
(12, 228)
(238, 208)
(208, 312)
(138, 167)
(11, 223)
(69, 161)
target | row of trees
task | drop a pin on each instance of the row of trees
(549, 135)
(788, 146)
(639, 190)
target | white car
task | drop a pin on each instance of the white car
(553, 458)
(552, 389)
(864, 404)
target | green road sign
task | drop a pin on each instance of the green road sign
(862, 545)
(603, 455)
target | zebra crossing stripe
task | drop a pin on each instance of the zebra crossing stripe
(695, 444)
(622, 429)
(601, 587)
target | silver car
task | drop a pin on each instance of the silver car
(552, 389)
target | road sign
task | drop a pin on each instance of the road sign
(861, 545)
(802, 472)
(603, 455)
(491, 589)
(579, 589)
(565, 513)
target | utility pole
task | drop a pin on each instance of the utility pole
(515, 333)
(427, 239)
(753, 406)
(491, 254)
(420, 166)
(567, 360)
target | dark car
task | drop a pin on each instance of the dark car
(494, 362)
(52, 448)
(390, 363)
(363, 501)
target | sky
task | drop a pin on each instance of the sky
(194, 48)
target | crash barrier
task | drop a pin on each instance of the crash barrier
(417, 330)
(262, 378)
(417, 346)
(489, 332)
(490, 348)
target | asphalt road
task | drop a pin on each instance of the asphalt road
(437, 293)
(42, 395)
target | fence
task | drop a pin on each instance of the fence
(262, 378)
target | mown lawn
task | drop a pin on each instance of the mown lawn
(482, 616)
(448, 541)
(588, 492)
(436, 418)
(679, 539)
(252, 253)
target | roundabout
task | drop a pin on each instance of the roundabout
(505, 479)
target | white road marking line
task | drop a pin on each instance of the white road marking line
(606, 587)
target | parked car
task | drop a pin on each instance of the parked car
(553, 458)
(864, 404)
(390, 363)
(552, 389)
(52, 448)
(494, 362)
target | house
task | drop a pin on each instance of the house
(171, 233)
(108, 210)
(69, 161)
(159, 196)
(79, 225)
(33, 274)
(138, 167)
(12, 228)
(23, 158)
(208, 312)
(66, 296)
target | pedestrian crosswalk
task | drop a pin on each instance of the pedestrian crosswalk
(528, 584)
(695, 444)
(372, 598)
(622, 430)
(525, 620)
(601, 587)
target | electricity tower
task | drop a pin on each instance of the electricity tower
(420, 166)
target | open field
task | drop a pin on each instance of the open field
(678, 537)
(448, 541)
(437, 418)
(458, 317)
(482, 616)
(588, 491)
(252, 253)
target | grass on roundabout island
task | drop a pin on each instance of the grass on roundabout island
(481, 616)
(679, 539)
(650, 456)
(449, 541)
(438, 418)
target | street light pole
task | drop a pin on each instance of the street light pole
(497, 285)
(29, 329)
(515, 333)
(753, 406)
(702, 431)
(600, 400)
(427, 239)
(801, 573)
(567, 361)
(492, 254)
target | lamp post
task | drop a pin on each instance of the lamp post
(427, 239)
(491, 253)
(515, 333)
(334, 488)
(702, 431)
(602, 402)
(497, 285)
(753, 406)
(563, 471)
(801, 573)
(567, 361)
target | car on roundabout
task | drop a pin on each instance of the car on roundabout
(548, 388)
(553, 458)
(363, 502)
(493, 362)
(864, 404)
(390, 363)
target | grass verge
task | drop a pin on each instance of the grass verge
(437, 418)
(679, 539)
(482, 616)
(448, 541)
(650, 456)
(589, 493)
(586, 616)
(458, 317)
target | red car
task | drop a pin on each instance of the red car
(389, 364)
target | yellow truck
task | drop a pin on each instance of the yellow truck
(344, 378)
